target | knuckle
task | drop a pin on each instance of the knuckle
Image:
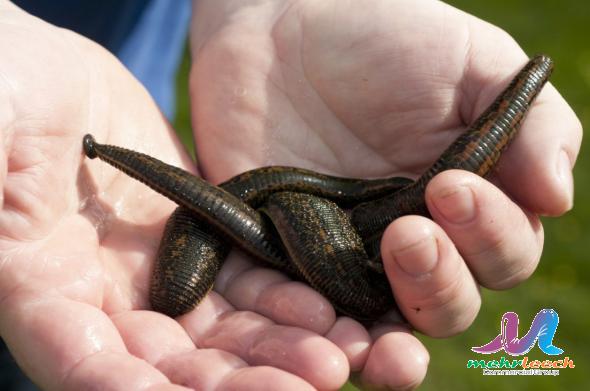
(515, 271)
(506, 257)
(446, 310)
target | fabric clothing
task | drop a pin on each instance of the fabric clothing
(108, 22)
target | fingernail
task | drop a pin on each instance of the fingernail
(456, 204)
(418, 258)
(564, 170)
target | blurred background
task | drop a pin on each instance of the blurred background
(560, 29)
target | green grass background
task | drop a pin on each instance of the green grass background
(562, 30)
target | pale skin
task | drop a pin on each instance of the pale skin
(350, 88)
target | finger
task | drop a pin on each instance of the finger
(501, 244)
(270, 293)
(168, 387)
(211, 369)
(397, 360)
(64, 344)
(115, 371)
(164, 338)
(202, 369)
(536, 169)
(258, 341)
(431, 283)
(353, 339)
(167, 346)
(264, 378)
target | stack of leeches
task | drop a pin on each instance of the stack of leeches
(321, 229)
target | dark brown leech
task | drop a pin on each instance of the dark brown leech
(228, 214)
(373, 248)
(254, 186)
(477, 150)
(289, 181)
(178, 263)
(187, 263)
(328, 252)
(190, 257)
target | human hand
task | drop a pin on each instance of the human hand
(379, 89)
(77, 239)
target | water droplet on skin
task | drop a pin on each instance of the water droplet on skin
(118, 207)
(93, 209)
(240, 91)
(267, 154)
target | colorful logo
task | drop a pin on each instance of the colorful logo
(542, 331)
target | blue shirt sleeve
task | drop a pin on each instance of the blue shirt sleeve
(153, 50)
